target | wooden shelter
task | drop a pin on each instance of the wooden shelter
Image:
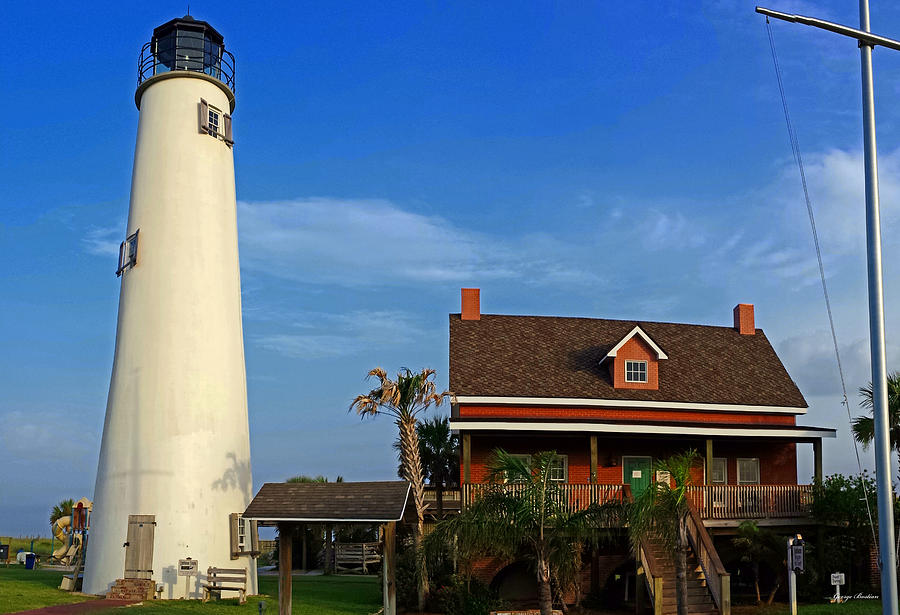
(288, 506)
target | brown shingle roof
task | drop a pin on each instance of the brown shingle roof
(549, 356)
(371, 501)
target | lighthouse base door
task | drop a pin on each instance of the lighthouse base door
(139, 547)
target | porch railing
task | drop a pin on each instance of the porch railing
(751, 501)
(573, 496)
(726, 502)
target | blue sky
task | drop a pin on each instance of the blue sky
(590, 159)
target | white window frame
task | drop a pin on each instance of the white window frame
(219, 128)
(564, 462)
(712, 479)
(740, 479)
(646, 371)
(242, 534)
(524, 457)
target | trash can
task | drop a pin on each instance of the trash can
(29, 561)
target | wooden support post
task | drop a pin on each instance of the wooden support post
(725, 594)
(467, 457)
(303, 548)
(389, 567)
(593, 459)
(285, 538)
(640, 580)
(657, 596)
(817, 460)
(709, 461)
(329, 549)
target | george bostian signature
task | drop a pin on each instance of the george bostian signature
(860, 596)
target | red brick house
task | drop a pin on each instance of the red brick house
(610, 396)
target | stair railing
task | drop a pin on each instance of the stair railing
(654, 573)
(718, 580)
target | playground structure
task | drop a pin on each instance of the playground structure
(70, 531)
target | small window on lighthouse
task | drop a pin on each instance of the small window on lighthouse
(214, 121)
(127, 254)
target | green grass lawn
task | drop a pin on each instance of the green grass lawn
(853, 607)
(41, 546)
(22, 589)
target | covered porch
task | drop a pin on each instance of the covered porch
(743, 471)
(290, 506)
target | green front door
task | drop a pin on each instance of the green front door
(636, 472)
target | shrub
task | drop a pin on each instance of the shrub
(460, 597)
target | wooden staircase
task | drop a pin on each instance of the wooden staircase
(708, 583)
(699, 600)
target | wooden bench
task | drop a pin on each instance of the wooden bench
(227, 580)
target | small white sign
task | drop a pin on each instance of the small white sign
(797, 558)
(636, 474)
(187, 567)
(837, 578)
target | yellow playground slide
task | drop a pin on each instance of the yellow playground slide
(62, 528)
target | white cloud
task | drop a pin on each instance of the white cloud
(375, 242)
(322, 336)
(102, 241)
(837, 192)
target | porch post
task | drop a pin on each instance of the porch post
(817, 459)
(389, 568)
(709, 461)
(285, 536)
(329, 549)
(467, 457)
(303, 547)
(593, 459)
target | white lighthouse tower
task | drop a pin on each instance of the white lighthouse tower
(175, 458)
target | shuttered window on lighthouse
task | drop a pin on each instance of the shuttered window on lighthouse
(128, 253)
(215, 123)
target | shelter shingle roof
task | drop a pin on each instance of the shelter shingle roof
(365, 501)
(551, 356)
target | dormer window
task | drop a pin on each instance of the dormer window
(634, 361)
(635, 371)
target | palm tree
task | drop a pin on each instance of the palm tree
(760, 546)
(303, 478)
(660, 513)
(439, 451)
(531, 520)
(404, 399)
(63, 509)
(864, 426)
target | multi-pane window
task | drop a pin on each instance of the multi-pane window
(635, 371)
(214, 121)
(127, 254)
(242, 535)
(719, 471)
(525, 459)
(559, 469)
(748, 471)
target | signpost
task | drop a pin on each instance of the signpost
(188, 568)
(837, 579)
(795, 566)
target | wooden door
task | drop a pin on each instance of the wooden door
(139, 547)
(636, 472)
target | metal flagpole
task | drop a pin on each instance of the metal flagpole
(867, 40)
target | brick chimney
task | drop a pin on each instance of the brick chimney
(471, 304)
(743, 319)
